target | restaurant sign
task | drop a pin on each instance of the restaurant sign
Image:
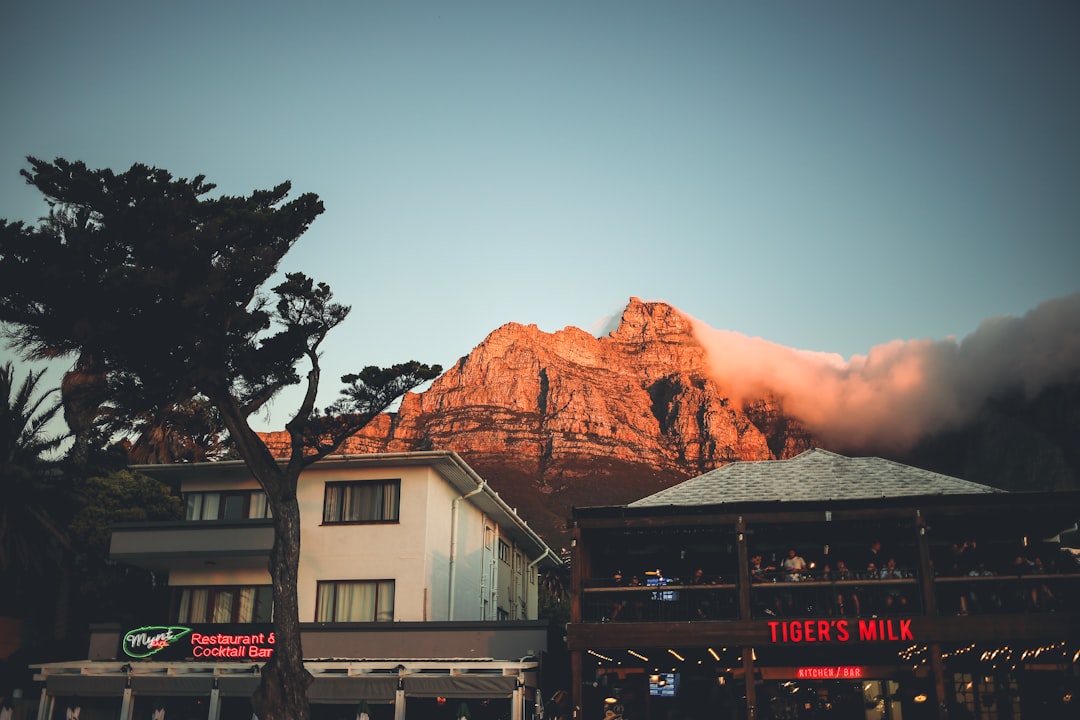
(831, 672)
(784, 632)
(210, 643)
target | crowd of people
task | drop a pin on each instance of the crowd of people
(848, 599)
(968, 560)
(875, 582)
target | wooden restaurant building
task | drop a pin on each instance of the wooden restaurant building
(827, 586)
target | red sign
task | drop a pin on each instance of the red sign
(252, 646)
(831, 672)
(863, 630)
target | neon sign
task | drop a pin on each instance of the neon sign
(831, 672)
(813, 631)
(225, 646)
(151, 639)
(213, 643)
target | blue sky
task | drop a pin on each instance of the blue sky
(828, 176)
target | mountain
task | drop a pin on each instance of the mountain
(555, 420)
(564, 419)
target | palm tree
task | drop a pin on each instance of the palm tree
(188, 431)
(32, 537)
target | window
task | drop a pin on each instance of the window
(231, 505)
(225, 604)
(504, 552)
(355, 601)
(362, 502)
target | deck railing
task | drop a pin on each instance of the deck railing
(811, 596)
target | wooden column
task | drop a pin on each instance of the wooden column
(929, 601)
(579, 570)
(941, 692)
(742, 580)
(751, 687)
(926, 568)
(576, 679)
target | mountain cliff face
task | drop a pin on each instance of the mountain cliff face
(554, 420)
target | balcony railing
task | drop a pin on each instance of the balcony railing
(1041, 592)
(193, 544)
(811, 596)
(671, 602)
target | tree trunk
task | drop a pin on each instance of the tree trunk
(282, 694)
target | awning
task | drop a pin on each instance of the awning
(171, 685)
(460, 686)
(238, 685)
(85, 685)
(353, 689)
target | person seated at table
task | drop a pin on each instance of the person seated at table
(895, 599)
(704, 606)
(869, 596)
(794, 566)
(620, 604)
(760, 573)
(759, 570)
(846, 596)
(980, 597)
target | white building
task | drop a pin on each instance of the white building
(417, 582)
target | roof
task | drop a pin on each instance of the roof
(813, 475)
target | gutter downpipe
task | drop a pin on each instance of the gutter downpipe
(454, 543)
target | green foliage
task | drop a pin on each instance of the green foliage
(160, 282)
(187, 431)
(123, 496)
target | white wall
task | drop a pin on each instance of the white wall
(414, 552)
(392, 551)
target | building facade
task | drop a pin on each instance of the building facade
(827, 586)
(418, 590)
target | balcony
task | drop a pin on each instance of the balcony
(194, 545)
(603, 602)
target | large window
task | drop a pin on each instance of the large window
(225, 604)
(355, 601)
(228, 505)
(365, 501)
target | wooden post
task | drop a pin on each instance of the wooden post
(942, 693)
(926, 567)
(751, 687)
(742, 581)
(577, 680)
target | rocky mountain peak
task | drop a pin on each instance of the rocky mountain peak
(554, 420)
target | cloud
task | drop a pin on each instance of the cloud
(899, 391)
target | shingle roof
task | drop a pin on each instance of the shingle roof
(813, 475)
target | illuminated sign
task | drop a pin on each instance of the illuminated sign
(831, 672)
(864, 630)
(152, 639)
(211, 643)
(222, 646)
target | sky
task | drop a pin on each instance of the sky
(826, 177)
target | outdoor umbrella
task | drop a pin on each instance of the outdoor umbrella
(362, 711)
(463, 712)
